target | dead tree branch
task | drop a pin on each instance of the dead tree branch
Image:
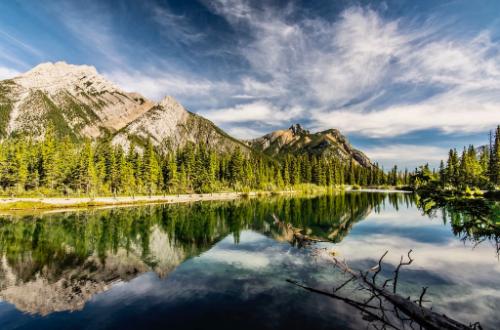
(373, 308)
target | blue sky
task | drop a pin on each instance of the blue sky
(405, 80)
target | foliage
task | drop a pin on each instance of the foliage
(465, 175)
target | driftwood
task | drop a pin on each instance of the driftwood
(413, 309)
(374, 309)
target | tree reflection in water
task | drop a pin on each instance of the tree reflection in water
(475, 220)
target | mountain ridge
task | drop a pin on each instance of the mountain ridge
(81, 103)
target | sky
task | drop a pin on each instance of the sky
(404, 80)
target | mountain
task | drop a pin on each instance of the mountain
(296, 140)
(78, 102)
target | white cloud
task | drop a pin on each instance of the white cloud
(454, 111)
(6, 73)
(406, 154)
(262, 111)
(163, 83)
(357, 59)
(244, 132)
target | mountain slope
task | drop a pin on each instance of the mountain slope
(296, 140)
(170, 125)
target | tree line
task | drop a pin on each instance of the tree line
(472, 168)
(61, 166)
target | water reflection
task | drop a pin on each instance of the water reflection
(57, 262)
(472, 220)
(164, 257)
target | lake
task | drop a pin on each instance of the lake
(224, 265)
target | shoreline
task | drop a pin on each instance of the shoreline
(13, 204)
(75, 203)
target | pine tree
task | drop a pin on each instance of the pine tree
(49, 161)
(236, 167)
(87, 172)
(494, 170)
(442, 174)
(286, 173)
(150, 169)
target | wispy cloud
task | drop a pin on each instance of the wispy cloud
(11, 47)
(156, 84)
(20, 44)
(245, 132)
(336, 70)
(176, 28)
(261, 111)
(91, 23)
(406, 155)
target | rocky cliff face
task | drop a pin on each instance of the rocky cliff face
(169, 125)
(297, 140)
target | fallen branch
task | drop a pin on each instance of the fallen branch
(414, 311)
(361, 306)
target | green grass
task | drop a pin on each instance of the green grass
(29, 205)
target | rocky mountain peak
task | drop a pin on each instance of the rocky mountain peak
(61, 67)
(297, 140)
(297, 129)
(53, 77)
(169, 102)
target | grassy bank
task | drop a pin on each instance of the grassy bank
(27, 202)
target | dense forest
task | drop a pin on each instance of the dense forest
(474, 170)
(60, 166)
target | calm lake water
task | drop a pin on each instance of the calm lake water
(224, 265)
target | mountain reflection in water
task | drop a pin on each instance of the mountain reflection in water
(58, 262)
